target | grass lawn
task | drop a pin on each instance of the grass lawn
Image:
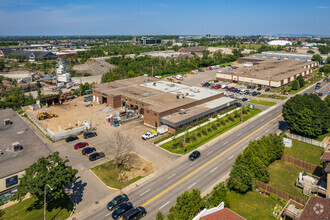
(303, 151)
(262, 102)
(207, 132)
(252, 205)
(22, 211)
(322, 136)
(283, 176)
(120, 177)
(273, 96)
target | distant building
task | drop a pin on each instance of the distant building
(150, 41)
(32, 55)
(279, 42)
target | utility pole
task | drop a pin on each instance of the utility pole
(45, 204)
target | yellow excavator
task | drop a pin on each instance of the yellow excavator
(45, 115)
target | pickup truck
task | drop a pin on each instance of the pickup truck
(149, 134)
(162, 129)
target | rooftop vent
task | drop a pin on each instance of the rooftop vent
(7, 122)
(182, 111)
(154, 84)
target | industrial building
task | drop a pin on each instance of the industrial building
(31, 55)
(20, 148)
(150, 40)
(287, 56)
(279, 42)
(267, 72)
(162, 102)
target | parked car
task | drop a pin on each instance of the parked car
(259, 88)
(244, 99)
(135, 213)
(162, 129)
(89, 134)
(88, 150)
(80, 145)
(149, 134)
(231, 96)
(71, 138)
(95, 156)
(121, 210)
(117, 201)
(88, 99)
(238, 104)
(320, 94)
(194, 155)
(267, 90)
(158, 77)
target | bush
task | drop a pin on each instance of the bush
(273, 196)
(223, 122)
(231, 118)
(204, 132)
(214, 126)
(217, 196)
(240, 179)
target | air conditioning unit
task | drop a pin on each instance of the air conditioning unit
(182, 111)
(7, 122)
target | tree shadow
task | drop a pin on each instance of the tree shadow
(35, 205)
(283, 126)
(77, 190)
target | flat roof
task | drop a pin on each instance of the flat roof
(270, 69)
(176, 119)
(33, 148)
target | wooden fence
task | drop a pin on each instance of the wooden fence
(308, 166)
(265, 188)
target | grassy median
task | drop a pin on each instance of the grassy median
(273, 96)
(262, 102)
(208, 132)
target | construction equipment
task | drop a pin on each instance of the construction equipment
(45, 115)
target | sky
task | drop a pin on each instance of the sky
(168, 17)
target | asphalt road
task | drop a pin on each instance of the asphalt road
(216, 160)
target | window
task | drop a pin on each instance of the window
(155, 114)
(142, 104)
(147, 112)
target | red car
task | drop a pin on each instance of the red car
(80, 145)
(231, 90)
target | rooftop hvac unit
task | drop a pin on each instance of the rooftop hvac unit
(154, 84)
(16, 147)
(7, 122)
(182, 111)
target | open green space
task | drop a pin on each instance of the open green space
(283, 176)
(27, 209)
(322, 136)
(273, 96)
(304, 151)
(262, 102)
(207, 132)
(252, 205)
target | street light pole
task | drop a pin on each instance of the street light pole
(184, 139)
(45, 204)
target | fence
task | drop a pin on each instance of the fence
(308, 166)
(265, 188)
(59, 135)
(306, 140)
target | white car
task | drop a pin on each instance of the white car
(158, 77)
(162, 129)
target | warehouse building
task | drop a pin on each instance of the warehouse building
(267, 72)
(162, 102)
(20, 148)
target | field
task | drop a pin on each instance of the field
(26, 210)
(262, 102)
(119, 177)
(283, 176)
(303, 151)
(252, 205)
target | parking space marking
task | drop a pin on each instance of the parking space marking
(213, 170)
(209, 152)
(108, 214)
(145, 192)
(230, 157)
(171, 176)
(164, 205)
(192, 185)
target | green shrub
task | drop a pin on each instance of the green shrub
(273, 196)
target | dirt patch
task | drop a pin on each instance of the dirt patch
(94, 66)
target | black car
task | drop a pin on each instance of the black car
(267, 90)
(135, 213)
(244, 99)
(88, 150)
(71, 138)
(320, 94)
(117, 201)
(95, 156)
(194, 155)
(89, 134)
(121, 210)
(238, 104)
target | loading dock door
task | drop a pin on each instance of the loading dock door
(104, 99)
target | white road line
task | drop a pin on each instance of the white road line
(267, 130)
(226, 142)
(244, 147)
(261, 120)
(239, 134)
(145, 192)
(164, 205)
(191, 185)
(274, 125)
(230, 157)
(171, 176)
(258, 137)
(252, 126)
(210, 152)
(193, 162)
(213, 170)
(108, 214)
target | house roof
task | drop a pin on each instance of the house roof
(223, 214)
(28, 53)
(316, 208)
(325, 157)
(327, 168)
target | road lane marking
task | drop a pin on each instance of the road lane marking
(252, 126)
(191, 185)
(210, 152)
(193, 162)
(207, 163)
(226, 142)
(171, 176)
(213, 170)
(230, 157)
(164, 205)
(108, 214)
(258, 137)
(267, 130)
(274, 125)
(239, 134)
(145, 192)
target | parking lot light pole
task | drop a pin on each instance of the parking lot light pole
(45, 204)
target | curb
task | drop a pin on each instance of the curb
(222, 179)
